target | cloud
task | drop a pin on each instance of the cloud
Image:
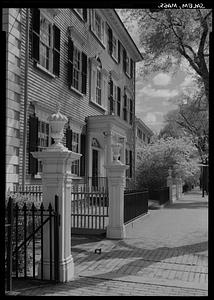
(161, 79)
(159, 93)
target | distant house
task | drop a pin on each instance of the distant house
(83, 59)
(143, 136)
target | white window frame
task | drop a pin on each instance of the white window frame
(75, 165)
(101, 37)
(78, 71)
(49, 68)
(114, 47)
(128, 65)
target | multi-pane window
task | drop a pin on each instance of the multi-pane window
(114, 47)
(77, 69)
(98, 25)
(98, 87)
(43, 139)
(75, 166)
(112, 97)
(45, 42)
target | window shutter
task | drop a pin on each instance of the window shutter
(131, 67)
(56, 50)
(33, 144)
(36, 33)
(111, 96)
(124, 60)
(130, 164)
(119, 47)
(84, 73)
(110, 40)
(85, 14)
(70, 61)
(68, 138)
(82, 151)
(118, 100)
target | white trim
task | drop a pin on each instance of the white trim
(45, 70)
(76, 91)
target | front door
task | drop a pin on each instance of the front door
(95, 168)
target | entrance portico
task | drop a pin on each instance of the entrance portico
(102, 132)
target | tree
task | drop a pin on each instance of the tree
(190, 119)
(169, 36)
(157, 157)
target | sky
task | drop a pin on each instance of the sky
(157, 94)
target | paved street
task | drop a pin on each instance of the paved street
(166, 254)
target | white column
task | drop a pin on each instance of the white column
(116, 183)
(56, 180)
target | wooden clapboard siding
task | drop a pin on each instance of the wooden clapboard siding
(47, 90)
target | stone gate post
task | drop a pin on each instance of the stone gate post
(169, 184)
(56, 179)
(116, 183)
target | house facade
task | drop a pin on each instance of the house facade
(83, 60)
(143, 136)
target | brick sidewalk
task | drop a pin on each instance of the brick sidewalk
(165, 254)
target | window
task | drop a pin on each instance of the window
(128, 154)
(125, 107)
(130, 111)
(17, 61)
(98, 26)
(17, 97)
(82, 12)
(113, 45)
(45, 42)
(98, 83)
(75, 143)
(16, 78)
(16, 151)
(98, 87)
(39, 139)
(77, 68)
(16, 115)
(128, 64)
(118, 101)
(16, 133)
(148, 140)
(112, 97)
(144, 137)
(139, 133)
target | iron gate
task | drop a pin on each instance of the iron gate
(24, 240)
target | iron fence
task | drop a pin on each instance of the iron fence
(135, 204)
(24, 240)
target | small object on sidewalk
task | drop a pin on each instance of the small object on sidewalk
(97, 251)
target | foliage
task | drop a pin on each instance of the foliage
(172, 36)
(160, 155)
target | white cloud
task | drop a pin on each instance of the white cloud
(159, 93)
(161, 79)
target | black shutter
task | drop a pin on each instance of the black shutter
(111, 96)
(110, 47)
(119, 47)
(33, 144)
(70, 61)
(124, 60)
(56, 50)
(82, 151)
(85, 14)
(68, 138)
(36, 33)
(118, 100)
(84, 72)
(130, 164)
(132, 68)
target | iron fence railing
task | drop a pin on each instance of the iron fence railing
(135, 204)
(24, 243)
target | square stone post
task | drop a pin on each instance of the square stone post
(169, 184)
(116, 183)
(56, 180)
